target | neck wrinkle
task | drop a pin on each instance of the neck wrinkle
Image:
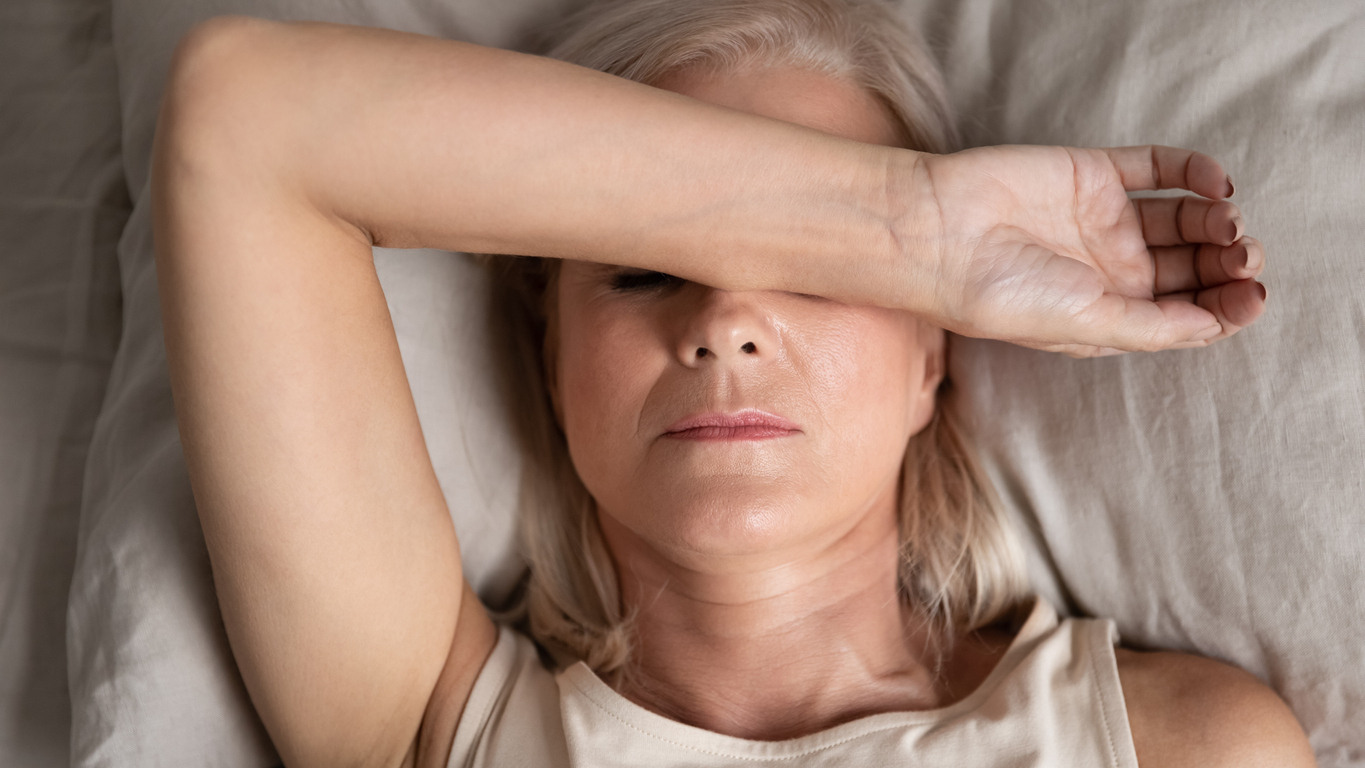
(785, 651)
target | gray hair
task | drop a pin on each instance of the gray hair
(864, 41)
(959, 561)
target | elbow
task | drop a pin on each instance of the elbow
(213, 40)
(213, 88)
(238, 123)
(209, 139)
(207, 61)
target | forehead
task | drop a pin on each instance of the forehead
(802, 96)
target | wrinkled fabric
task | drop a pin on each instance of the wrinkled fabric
(1206, 500)
(1053, 699)
(63, 203)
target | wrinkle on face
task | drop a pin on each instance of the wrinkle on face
(844, 373)
(763, 576)
(849, 375)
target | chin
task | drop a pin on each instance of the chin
(729, 520)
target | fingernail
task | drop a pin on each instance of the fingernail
(1251, 244)
(1236, 228)
(1207, 333)
(1263, 291)
(1231, 189)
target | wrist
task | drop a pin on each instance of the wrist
(913, 260)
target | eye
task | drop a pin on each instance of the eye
(643, 280)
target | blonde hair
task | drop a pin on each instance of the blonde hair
(960, 563)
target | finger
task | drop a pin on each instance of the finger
(1236, 305)
(1180, 220)
(1194, 267)
(1156, 167)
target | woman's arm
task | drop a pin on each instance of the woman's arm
(284, 152)
(410, 140)
(334, 557)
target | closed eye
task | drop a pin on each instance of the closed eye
(643, 280)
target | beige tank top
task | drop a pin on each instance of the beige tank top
(1052, 700)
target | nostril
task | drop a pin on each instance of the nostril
(701, 351)
(749, 348)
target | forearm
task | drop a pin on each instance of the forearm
(413, 141)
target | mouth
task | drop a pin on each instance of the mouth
(748, 424)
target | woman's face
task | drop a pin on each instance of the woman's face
(841, 387)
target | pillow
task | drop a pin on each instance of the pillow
(1180, 493)
(1208, 500)
(63, 203)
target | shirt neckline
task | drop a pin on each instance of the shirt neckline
(1042, 617)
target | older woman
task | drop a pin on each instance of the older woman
(755, 534)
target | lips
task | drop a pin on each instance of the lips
(748, 424)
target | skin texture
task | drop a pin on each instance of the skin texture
(285, 152)
(763, 571)
(1166, 260)
(1189, 711)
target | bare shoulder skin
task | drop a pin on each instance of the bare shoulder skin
(1187, 710)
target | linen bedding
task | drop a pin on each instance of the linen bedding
(1208, 501)
(63, 204)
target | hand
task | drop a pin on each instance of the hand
(1041, 246)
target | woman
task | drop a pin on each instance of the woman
(741, 345)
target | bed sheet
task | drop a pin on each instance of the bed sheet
(63, 203)
(1208, 501)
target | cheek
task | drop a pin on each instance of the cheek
(867, 373)
(606, 369)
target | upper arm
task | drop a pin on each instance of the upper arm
(1187, 710)
(334, 556)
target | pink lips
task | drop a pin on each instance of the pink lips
(748, 424)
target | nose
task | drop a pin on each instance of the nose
(725, 326)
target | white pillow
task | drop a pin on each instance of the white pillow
(151, 675)
(1201, 498)
(1208, 500)
(62, 205)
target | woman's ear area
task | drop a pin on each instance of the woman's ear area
(934, 341)
(933, 344)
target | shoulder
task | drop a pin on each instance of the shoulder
(1187, 710)
(508, 713)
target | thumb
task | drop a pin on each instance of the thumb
(1123, 322)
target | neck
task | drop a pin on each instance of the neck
(783, 649)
